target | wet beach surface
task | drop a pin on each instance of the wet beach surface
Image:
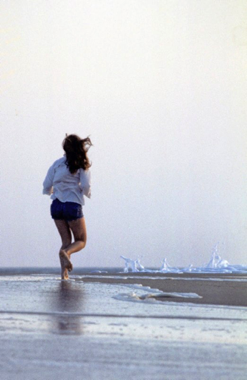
(112, 326)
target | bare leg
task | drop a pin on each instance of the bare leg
(64, 231)
(79, 230)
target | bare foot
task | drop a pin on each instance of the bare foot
(66, 264)
(64, 274)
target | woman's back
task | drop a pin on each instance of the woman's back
(61, 184)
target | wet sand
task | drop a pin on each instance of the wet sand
(103, 326)
(214, 289)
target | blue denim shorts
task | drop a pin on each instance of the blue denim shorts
(66, 210)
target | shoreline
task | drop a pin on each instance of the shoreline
(223, 289)
(82, 328)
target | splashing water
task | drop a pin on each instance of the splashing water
(216, 262)
(215, 265)
(133, 265)
(166, 268)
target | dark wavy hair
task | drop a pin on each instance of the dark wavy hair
(76, 152)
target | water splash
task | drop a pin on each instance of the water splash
(216, 261)
(166, 268)
(133, 265)
(215, 265)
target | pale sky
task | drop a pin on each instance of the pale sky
(160, 86)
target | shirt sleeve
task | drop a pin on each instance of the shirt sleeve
(48, 182)
(85, 182)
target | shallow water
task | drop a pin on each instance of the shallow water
(55, 329)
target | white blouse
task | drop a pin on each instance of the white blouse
(67, 187)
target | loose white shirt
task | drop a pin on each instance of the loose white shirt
(67, 187)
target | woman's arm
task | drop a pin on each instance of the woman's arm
(85, 182)
(48, 182)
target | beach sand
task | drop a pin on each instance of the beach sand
(122, 326)
(214, 288)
